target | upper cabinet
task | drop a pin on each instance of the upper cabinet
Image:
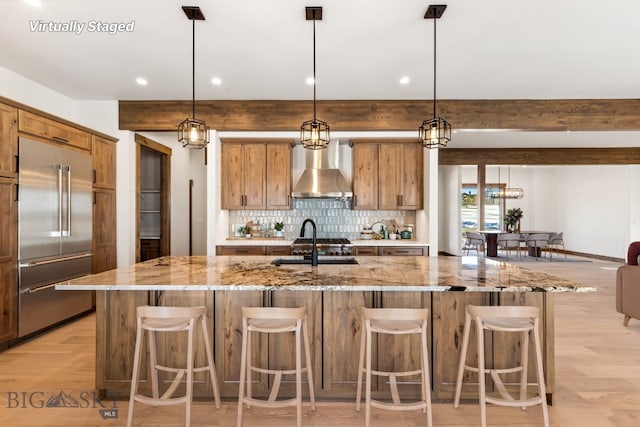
(365, 176)
(103, 159)
(278, 176)
(255, 175)
(8, 140)
(46, 128)
(388, 176)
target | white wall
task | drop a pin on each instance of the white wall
(596, 207)
(28, 92)
(449, 213)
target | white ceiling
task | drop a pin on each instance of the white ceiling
(262, 49)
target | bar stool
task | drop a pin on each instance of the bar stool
(395, 321)
(521, 319)
(170, 319)
(273, 320)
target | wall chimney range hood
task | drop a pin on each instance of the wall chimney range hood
(321, 178)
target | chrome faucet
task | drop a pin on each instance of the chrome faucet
(314, 247)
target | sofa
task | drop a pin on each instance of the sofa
(628, 285)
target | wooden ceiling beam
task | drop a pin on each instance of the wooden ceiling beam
(387, 115)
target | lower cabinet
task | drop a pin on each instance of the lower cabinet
(116, 339)
(8, 260)
(334, 325)
(391, 250)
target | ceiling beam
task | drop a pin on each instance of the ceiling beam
(388, 115)
(539, 156)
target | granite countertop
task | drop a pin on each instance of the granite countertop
(408, 273)
(258, 241)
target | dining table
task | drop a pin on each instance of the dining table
(491, 237)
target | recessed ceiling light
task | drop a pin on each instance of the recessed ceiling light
(141, 81)
(216, 81)
(404, 80)
(33, 3)
(310, 81)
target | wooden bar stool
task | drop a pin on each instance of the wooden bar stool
(170, 319)
(273, 320)
(395, 321)
(519, 319)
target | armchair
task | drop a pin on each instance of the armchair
(628, 285)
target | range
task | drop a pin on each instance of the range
(325, 246)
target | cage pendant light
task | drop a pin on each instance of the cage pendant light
(193, 133)
(435, 132)
(314, 134)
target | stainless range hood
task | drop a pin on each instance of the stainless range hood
(321, 178)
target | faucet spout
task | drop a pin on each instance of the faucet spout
(314, 248)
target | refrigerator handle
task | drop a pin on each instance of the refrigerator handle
(59, 167)
(68, 201)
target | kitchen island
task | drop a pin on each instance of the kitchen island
(333, 294)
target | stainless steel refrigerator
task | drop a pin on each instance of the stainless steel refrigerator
(54, 232)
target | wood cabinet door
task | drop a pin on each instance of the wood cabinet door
(228, 342)
(103, 158)
(397, 353)
(390, 171)
(255, 176)
(104, 230)
(172, 347)
(116, 339)
(411, 176)
(59, 132)
(448, 310)
(506, 347)
(232, 177)
(8, 260)
(365, 176)
(8, 140)
(341, 337)
(278, 182)
(282, 349)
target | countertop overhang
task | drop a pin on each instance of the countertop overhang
(385, 273)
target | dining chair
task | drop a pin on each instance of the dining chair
(474, 241)
(508, 242)
(536, 243)
(556, 240)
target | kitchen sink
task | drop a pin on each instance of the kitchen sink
(279, 261)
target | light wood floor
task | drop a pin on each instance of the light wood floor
(597, 379)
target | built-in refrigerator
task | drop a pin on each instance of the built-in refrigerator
(54, 232)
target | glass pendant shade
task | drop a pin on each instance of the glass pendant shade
(193, 133)
(314, 134)
(435, 133)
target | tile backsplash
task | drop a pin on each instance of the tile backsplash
(333, 218)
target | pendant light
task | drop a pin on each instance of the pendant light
(507, 192)
(435, 132)
(193, 133)
(314, 134)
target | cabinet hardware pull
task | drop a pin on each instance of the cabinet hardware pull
(17, 192)
(59, 139)
(17, 163)
(94, 176)
(95, 198)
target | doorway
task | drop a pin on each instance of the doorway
(153, 213)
